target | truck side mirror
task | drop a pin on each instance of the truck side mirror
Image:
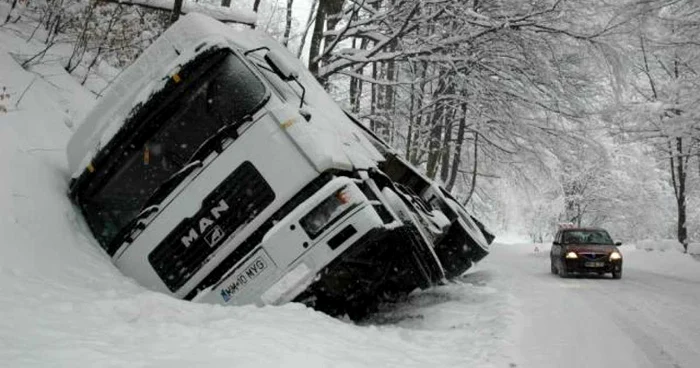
(618, 243)
(286, 70)
(556, 243)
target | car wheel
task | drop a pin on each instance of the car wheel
(563, 273)
(617, 274)
(553, 269)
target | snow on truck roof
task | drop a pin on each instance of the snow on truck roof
(186, 38)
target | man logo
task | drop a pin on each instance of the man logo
(214, 236)
(204, 223)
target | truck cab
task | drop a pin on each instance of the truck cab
(216, 169)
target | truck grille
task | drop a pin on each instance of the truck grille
(233, 204)
(224, 268)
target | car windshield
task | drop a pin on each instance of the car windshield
(224, 95)
(586, 237)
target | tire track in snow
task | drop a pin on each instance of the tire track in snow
(658, 313)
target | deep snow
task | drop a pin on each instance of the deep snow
(63, 304)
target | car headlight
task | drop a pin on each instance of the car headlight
(330, 210)
(571, 255)
(615, 256)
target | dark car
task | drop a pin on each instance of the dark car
(585, 251)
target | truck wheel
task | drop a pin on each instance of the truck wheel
(617, 274)
(553, 269)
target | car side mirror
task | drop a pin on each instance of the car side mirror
(618, 243)
(556, 243)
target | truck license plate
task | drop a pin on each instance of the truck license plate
(595, 264)
(243, 277)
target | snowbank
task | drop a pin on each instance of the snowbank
(669, 263)
(694, 248)
(63, 304)
(658, 245)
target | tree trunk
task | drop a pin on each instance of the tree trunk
(409, 134)
(288, 24)
(317, 38)
(325, 13)
(373, 100)
(392, 75)
(380, 113)
(256, 5)
(474, 171)
(356, 84)
(457, 159)
(177, 9)
(419, 118)
(578, 215)
(314, 7)
(678, 176)
(436, 130)
(447, 147)
(434, 143)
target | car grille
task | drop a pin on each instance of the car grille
(594, 256)
(233, 204)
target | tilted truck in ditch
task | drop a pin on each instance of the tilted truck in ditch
(216, 169)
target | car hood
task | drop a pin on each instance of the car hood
(587, 248)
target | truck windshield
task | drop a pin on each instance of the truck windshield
(225, 94)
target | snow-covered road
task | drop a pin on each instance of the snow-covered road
(646, 319)
(63, 304)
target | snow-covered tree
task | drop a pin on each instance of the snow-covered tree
(664, 102)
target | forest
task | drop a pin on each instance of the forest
(532, 113)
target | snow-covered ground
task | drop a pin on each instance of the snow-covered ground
(63, 304)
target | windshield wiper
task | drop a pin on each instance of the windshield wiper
(151, 207)
(171, 183)
(152, 204)
(125, 235)
(215, 142)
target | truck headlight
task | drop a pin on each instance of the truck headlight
(614, 256)
(331, 209)
(571, 255)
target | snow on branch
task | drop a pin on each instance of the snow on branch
(228, 15)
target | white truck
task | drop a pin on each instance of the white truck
(216, 169)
